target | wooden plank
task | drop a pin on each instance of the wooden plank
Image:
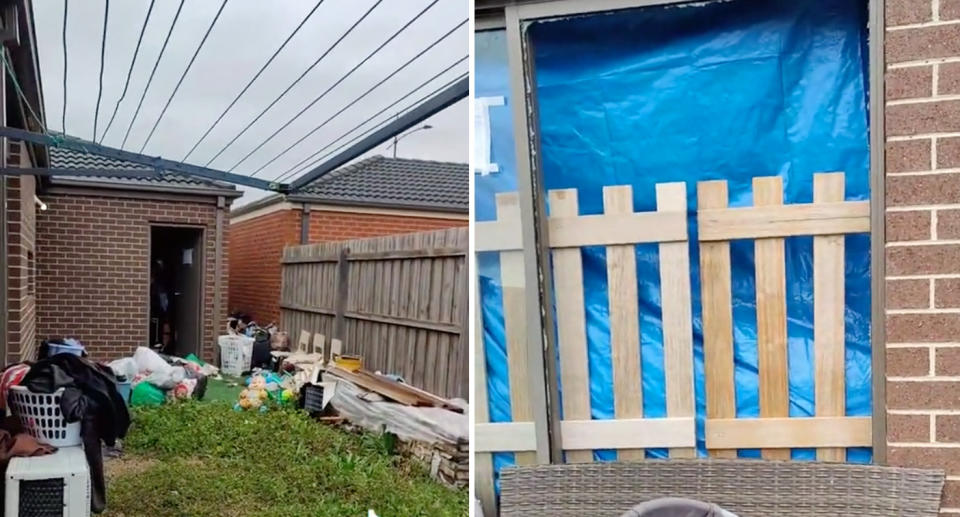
(447, 328)
(483, 462)
(585, 435)
(818, 218)
(605, 230)
(717, 315)
(497, 236)
(516, 437)
(771, 315)
(571, 327)
(624, 320)
(514, 323)
(676, 310)
(785, 433)
(828, 310)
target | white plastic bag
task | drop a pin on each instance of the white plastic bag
(126, 367)
(148, 360)
(167, 379)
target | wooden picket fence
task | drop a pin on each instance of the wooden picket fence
(400, 301)
(619, 229)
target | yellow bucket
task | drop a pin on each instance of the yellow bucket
(350, 363)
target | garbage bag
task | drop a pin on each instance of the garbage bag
(148, 360)
(126, 367)
(146, 394)
(167, 379)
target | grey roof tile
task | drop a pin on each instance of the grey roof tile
(395, 182)
(67, 158)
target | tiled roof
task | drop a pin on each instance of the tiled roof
(395, 182)
(67, 158)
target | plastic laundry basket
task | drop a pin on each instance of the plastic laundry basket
(40, 416)
(235, 354)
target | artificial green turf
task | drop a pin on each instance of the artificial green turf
(226, 389)
(208, 460)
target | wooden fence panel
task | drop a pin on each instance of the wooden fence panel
(397, 301)
(828, 218)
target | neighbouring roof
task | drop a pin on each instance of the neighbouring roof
(383, 182)
(171, 181)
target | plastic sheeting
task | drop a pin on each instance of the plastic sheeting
(728, 90)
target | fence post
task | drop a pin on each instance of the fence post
(340, 303)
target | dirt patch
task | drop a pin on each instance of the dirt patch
(127, 466)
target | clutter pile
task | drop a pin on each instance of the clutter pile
(81, 405)
(265, 389)
(156, 379)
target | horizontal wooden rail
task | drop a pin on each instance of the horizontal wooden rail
(381, 255)
(628, 433)
(784, 433)
(758, 222)
(497, 236)
(450, 328)
(504, 437)
(612, 229)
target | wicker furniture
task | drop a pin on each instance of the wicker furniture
(750, 488)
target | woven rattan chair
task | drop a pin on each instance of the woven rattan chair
(749, 488)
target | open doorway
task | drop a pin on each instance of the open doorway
(176, 280)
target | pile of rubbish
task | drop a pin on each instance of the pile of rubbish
(265, 389)
(156, 379)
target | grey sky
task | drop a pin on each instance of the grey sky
(245, 36)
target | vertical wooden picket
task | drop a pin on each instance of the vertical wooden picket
(717, 316)
(571, 325)
(515, 321)
(677, 324)
(624, 319)
(771, 314)
(828, 314)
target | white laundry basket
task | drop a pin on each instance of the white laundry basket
(235, 354)
(40, 416)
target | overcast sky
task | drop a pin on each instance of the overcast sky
(245, 36)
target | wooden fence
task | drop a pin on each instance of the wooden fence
(828, 218)
(401, 302)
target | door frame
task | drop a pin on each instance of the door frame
(514, 18)
(201, 288)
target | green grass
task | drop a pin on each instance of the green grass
(207, 460)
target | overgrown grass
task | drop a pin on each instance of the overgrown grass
(208, 460)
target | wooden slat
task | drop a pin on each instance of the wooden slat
(380, 255)
(605, 230)
(571, 327)
(818, 218)
(624, 320)
(447, 328)
(677, 324)
(496, 236)
(515, 322)
(828, 310)
(516, 437)
(483, 462)
(783, 433)
(585, 435)
(717, 316)
(771, 314)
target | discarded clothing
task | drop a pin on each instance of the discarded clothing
(90, 397)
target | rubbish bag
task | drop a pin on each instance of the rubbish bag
(148, 360)
(126, 367)
(167, 379)
(146, 394)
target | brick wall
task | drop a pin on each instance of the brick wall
(257, 248)
(21, 257)
(93, 260)
(255, 279)
(923, 237)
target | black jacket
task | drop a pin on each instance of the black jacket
(90, 397)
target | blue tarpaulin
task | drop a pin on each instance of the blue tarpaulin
(723, 90)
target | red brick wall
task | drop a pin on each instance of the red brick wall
(21, 257)
(258, 247)
(93, 257)
(923, 238)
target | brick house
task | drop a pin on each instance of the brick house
(373, 197)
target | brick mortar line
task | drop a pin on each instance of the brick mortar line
(944, 276)
(931, 378)
(923, 25)
(923, 62)
(923, 100)
(925, 445)
(931, 301)
(930, 172)
(924, 311)
(924, 412)
(920, 244)
(922, 136)
(896, 346)
(918, 208)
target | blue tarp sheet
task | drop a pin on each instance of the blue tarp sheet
(725, 90)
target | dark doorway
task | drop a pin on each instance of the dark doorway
(176, 278)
